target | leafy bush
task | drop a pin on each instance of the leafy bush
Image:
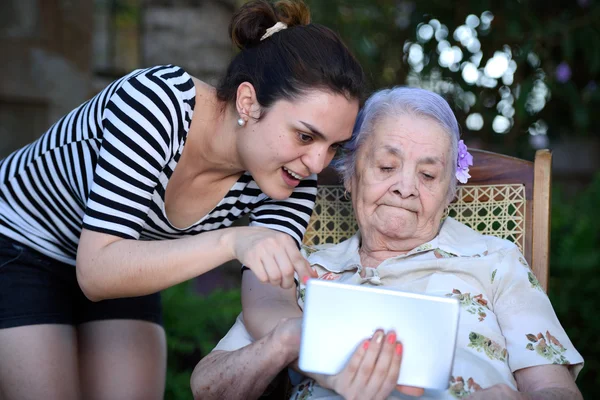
(194, 324)
(575, 276)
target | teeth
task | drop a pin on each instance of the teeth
(292, 173)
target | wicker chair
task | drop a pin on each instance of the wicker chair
(505, 197)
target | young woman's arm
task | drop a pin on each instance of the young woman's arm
(109, 266)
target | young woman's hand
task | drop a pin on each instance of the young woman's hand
(371, 372)
(271, 255)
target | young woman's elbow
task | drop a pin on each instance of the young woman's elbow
(88, 282)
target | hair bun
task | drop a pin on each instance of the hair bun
(292, 12)
(253, 19)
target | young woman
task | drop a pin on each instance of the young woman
(135, 191)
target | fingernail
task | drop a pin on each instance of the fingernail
(305, 279)
(379, 337)
(399, 348)
(391, 338)
(366, 344)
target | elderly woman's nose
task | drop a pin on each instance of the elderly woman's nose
(405, 185)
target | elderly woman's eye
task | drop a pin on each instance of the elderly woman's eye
(386, 169)
(428, 176)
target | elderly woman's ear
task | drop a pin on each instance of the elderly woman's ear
(348, 188)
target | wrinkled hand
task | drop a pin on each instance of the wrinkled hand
(371, 372)
(497, 392)
(271, 255)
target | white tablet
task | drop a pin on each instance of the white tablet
(338, 317)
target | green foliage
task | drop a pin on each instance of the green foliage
(553, 50)
(575, 276)
(194, 324)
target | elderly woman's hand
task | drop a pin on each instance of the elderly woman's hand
(273, 256)
(371, 372)
(497, 392)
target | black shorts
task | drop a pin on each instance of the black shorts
(36, 289)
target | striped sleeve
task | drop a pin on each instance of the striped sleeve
(290, 215)
(140, 121)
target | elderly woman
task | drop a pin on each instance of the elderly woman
(401, 170)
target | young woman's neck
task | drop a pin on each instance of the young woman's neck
(212, 136)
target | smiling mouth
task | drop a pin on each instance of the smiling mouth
(293, 174)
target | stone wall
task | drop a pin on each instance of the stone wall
(192, 34)
(45, 47)
(48, 51)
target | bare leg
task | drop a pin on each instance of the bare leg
(122, 360)
(39, 362)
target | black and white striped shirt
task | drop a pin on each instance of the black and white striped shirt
(105, 167)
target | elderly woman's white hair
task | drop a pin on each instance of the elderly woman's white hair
(392, 103)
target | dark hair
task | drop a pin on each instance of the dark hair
(304, 56)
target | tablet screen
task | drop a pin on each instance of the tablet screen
(338, 317)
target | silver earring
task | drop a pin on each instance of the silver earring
(241, 122)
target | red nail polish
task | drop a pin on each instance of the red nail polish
(392, 338)
(399, 348)
(305, 279)
(366, 344)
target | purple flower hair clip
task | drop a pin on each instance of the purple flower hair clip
(464, 160)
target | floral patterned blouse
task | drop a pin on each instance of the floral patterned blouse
(506, 322)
